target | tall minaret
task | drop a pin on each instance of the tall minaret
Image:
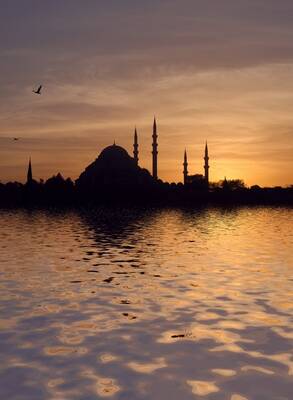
(135, 147)
(206, 164)
(29, 172)
(155, 150)
(185, 171)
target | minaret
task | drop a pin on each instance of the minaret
(185, 171)
(206, 164)
(135, 147)
(155, 151)
(29, 172)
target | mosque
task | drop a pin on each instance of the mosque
(115, 167)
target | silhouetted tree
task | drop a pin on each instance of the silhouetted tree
(232, 184)
(58, 190)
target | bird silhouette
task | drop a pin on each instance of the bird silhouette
(38, 91)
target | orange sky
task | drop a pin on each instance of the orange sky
(209, 72)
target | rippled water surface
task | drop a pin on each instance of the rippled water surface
(156, 305)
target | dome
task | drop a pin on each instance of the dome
(114, 154)
(114, 167)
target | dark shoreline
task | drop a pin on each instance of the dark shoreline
(60, 193)
(144, 206)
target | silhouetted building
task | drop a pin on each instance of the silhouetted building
(114, 170)
(198, 180)
(155, 150)
(116, 175)
(135, 147)
(29, 173)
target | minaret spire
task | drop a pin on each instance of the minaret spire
(155, 150)
(29, 172)
(185, 170)
(135, 147)
(206, 164)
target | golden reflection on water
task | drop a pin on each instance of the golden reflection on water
(258, 369)
(224, 372)
(158, 304)
(203, 388)
(148, 368)
(107, 358)
(238, 397)
(105, 387)
(60, 351)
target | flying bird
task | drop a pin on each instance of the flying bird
(38, 91)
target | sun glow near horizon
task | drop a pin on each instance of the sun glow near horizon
(237, 97)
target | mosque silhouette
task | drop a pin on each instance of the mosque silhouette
(114, 167)
(116, 177)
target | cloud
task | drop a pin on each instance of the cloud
(212, 70)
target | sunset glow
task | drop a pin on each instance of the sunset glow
(215, 71)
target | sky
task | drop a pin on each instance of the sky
(215, 70)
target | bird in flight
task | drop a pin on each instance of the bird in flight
(38, 91)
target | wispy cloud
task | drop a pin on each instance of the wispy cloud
(212, 70)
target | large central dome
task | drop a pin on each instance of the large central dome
(112, 169)
(115, 156)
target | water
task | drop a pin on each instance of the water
(156, 305)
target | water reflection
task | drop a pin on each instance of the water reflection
(146, 304)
